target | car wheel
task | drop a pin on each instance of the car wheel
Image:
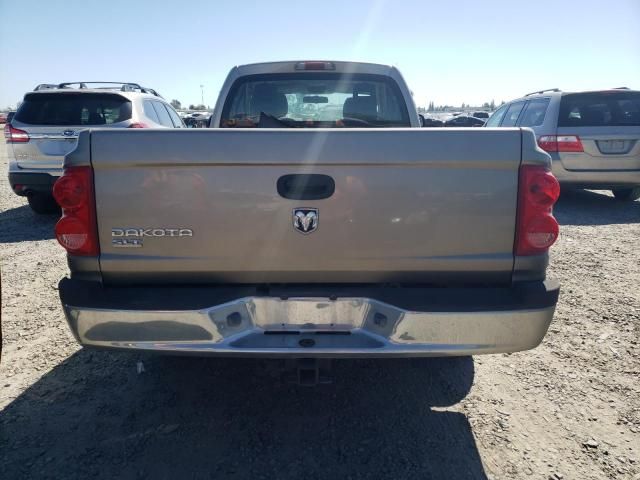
(43, 204)
(626, 194)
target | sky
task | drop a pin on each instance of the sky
(449, 52)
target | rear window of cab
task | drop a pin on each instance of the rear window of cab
(90, 109)
(313, 99)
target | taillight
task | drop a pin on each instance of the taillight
(15, 135)
(77, 230)
(138, 125)
(569, 143)
(536, 228)
(560, 143)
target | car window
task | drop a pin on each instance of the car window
(70, 108)
(315, 100)
(163, 115)
(496, 117)
(150, 112)
(511, 116)
(534, 112)
(175, 118)
(593, 109)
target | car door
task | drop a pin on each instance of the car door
(496, 118)
(175, 118)
(150, 113)
(512, 114)
(534, 113)
(163, 114)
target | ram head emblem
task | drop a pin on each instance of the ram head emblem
(305, 220)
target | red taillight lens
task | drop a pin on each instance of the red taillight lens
(70, 190)
(15, 135)
(560, 143)
(569, 143)
(138, 125)
(548, 143)
(77, 230)
(536, 228)
(544, 189)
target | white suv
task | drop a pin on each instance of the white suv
(45, 128)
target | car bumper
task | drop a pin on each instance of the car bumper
(596, 179)
(25, 183)
(317, 322)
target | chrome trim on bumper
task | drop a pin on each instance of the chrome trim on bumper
(346, 327)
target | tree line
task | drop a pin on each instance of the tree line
(178, 105)
(432, 107)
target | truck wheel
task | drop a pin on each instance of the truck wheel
(626, 194)
(43, 204)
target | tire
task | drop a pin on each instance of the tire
(43, 204)
(626, 194)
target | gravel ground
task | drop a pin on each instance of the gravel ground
(568, 409)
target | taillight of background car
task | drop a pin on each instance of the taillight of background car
(15, 135)
(536, 228)
(77, 230)
(560, 143)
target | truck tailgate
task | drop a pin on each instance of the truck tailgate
(410, 205)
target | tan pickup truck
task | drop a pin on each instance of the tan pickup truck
(316, 218)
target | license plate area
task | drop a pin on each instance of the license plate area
(615, 147)
(314, 332)
(308, 341)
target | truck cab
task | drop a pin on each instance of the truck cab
(315, 94)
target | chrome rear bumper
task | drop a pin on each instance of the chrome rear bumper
(269, 326)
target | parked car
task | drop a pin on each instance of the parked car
(197, 120)
(481, 115)
(5, 117)
(431, 122)
(464, 121)
(593, 137)
(348, 241)
(46, 127)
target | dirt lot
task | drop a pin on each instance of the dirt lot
(568, 409)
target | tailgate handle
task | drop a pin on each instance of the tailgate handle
(306, 186)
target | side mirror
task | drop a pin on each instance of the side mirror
(422, 120)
